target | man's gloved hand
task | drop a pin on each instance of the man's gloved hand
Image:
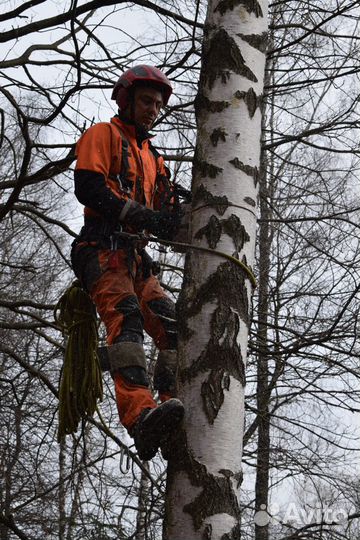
(163, 224)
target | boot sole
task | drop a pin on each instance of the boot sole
(159, 426)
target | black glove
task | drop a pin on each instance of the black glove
(137, 216)
(163, 224)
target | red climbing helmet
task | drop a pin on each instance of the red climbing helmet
(140, 74)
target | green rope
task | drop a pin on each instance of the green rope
(81, 379)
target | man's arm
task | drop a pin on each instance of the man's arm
(91, 191)
(97, 151)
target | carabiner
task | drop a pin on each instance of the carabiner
(124, 450)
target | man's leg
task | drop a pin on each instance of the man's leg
(111, 286)
(160, 323)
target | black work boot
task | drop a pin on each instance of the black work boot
(154, 426)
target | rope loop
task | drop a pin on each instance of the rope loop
(244, 267)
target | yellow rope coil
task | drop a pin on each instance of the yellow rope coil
(81, 379)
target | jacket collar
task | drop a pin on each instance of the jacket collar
(135, 130)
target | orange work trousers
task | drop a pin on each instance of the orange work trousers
(129, 299)
(127, 296)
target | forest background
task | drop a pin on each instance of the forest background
(301, 447)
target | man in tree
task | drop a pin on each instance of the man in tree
(125, 187)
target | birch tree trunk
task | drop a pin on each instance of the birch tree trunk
(263, 391)
(204, 471)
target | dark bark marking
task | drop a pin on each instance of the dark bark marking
(230, 280)
(203, 103)
(181, 315)
(251, 6)
(227, 473)
(226, 286)
(212, 392)
(247, 169)
(217, 495)
(252, 101)
(218, 134)
(207, 532)
(231, 226)
(207, 169)
(212, 232)
(236, 230)
(220, 203)
(221, 57)
(258, 41)
(183, 328)
(217, 356)
(250, 201)
(239, 478)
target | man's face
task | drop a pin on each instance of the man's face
(147, 104)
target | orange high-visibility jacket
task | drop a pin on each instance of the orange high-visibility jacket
(115, 162)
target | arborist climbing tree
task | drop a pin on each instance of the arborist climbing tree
(125, 187)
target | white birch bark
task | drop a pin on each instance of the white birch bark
(204, 473)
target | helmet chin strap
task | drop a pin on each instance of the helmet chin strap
(132, 114)
(132, 108)
(129, 112)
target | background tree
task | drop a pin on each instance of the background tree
(307, 311)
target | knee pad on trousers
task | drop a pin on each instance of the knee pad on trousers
(125, 355)
(133, 323)
(134, 375)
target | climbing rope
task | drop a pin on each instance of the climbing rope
(222, 254)
(185, 246)
(81, 379)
